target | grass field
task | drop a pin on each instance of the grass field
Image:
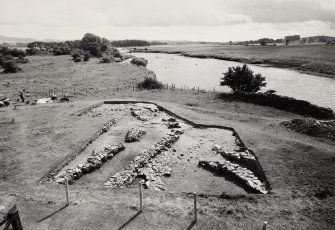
(300, 168)
(318, 59)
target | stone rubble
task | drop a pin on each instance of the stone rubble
(134, 135)
(144, 165)
(139, 111)
(233, 154)
(241, 173)
(139, 114)
(95, 161)
(171, 122)
(157, 167)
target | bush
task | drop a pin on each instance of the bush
(87, 56)
(4, 58)
(17, 53)
(139, 62)
(106, 59)
(150, 83)
(22, 60)
(75, 55)
(242, 79)
(77, 59)
(31, 52)
(10, 66)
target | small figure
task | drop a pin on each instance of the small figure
(21, 96)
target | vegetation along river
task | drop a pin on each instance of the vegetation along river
(206, 74)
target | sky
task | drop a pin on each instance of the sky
(195, 20)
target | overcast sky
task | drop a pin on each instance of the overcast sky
(198, 20)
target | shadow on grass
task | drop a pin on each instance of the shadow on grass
(130, 220)
(63, 207)
(191, 225)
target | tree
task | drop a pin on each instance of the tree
(263, 42)
(242, 79)
(94, 44)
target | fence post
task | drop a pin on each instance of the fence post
(264, 225)
(141, 201)
(133, 88)
(195, 207)
(86, 92)
(198, 89)
(13, 215)
(67, 192)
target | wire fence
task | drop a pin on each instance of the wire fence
(34, 94)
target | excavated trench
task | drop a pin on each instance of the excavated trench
(165, 151)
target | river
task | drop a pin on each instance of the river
(206, 73)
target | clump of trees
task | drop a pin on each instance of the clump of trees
(90, 45)
(57, 48)
(128, 43)
(242, 79)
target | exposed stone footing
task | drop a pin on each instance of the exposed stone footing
(134, 135)
(242, 174)
(95, 161)
(135, 167)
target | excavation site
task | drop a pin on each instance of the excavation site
(144, 143)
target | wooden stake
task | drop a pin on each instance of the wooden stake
(133, 88)
(195, 207)
(141, 201)
(264, 225)
(67, 192)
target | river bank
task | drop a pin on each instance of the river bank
(310, 59)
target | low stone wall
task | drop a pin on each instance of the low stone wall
(72, 156)
(134, 168)
(134, 135)
(95, 161)
(242, 174)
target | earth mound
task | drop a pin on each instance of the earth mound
(312, 127)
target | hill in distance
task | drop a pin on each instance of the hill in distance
(14, 40)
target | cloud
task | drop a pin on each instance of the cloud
(179, 19)
(279, 11)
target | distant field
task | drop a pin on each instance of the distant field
(315, 58)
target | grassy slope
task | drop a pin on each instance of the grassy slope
(315, 58)
(296, 165)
